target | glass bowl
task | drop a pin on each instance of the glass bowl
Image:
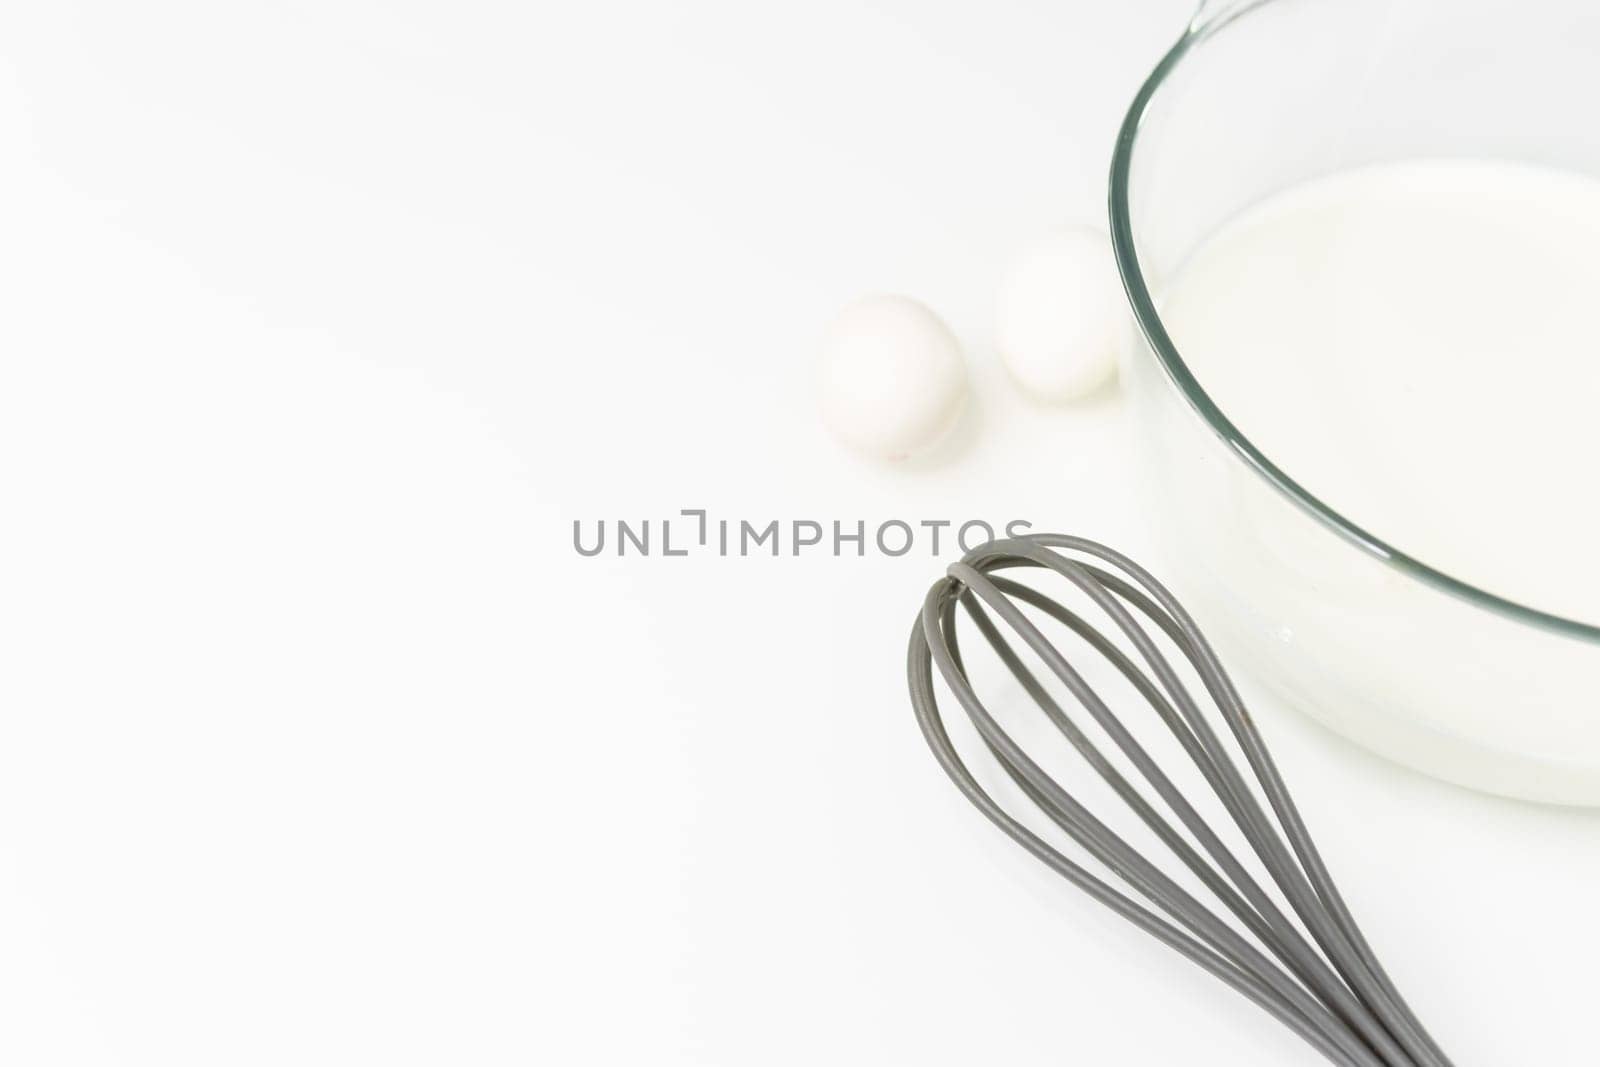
(1410, 660)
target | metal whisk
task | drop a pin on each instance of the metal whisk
(1333, 993)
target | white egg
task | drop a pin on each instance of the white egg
(892, 377)
(1060, 314)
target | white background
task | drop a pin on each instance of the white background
(321, 322)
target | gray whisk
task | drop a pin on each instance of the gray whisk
(1329, 989)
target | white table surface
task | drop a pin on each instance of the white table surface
(319, 744)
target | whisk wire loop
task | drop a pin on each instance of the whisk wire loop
(1339, 999)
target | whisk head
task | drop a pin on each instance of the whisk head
(1309, 966)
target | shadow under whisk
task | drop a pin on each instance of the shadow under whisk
(1328, 988)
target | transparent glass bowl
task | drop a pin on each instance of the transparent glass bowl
(1256, 97)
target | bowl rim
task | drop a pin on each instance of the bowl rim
(1177, 371)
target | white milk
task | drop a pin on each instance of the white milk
(1419, 346)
